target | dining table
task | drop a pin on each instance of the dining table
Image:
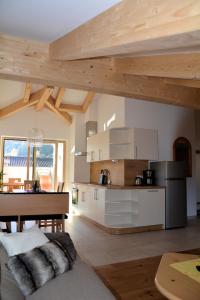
(11, 186)
(27, 204)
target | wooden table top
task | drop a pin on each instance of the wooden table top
(21, 204)
(13, 184)
(173, 284)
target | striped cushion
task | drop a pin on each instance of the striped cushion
(34, 268)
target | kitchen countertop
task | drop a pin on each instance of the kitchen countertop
(120, 187)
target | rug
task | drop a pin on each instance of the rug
(134, 280)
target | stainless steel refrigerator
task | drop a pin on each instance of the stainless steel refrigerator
(172, 175)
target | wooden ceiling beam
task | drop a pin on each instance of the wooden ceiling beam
(185, 66)
(66, 117)
(70, 107)
(134, 28)
(45, 96)
(27, 61)
(27, 92)
(87, 101)
(156, 90)
(59, 97)
(20, 104)
(183, 82)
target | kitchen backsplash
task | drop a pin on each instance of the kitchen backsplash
(122, 172)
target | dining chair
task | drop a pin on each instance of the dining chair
(13, 187)
(56, 223)
(28, 185)
(45, 182)
(60, 187)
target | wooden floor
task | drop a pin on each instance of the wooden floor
(133, 280)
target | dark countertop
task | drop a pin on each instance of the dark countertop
(121, 187)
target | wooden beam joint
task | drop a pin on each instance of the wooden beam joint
(45, 96)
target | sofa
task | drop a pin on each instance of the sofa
(80, 283)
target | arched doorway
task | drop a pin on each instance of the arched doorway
(182, 151)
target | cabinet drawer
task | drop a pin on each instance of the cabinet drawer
(119, 195)
(118, 207)
(118, 219)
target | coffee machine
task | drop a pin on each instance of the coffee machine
(148, 177)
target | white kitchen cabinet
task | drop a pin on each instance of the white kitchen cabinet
(83, 200)
(150, 207)
(123, 143)
(144, 144)
(122, 207)
(91, 202)
(103, 146)
(92, 148)
(98, 147)
(99, 196)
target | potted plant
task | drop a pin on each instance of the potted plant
(1, 180)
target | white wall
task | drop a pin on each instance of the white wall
(171, 122)
(110, 112)
(21, 122)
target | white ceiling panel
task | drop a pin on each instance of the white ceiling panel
(47, 20)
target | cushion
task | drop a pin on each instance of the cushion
(34, 268)
(64, 241)
(20, 242)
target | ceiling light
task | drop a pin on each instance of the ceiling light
(36, 137)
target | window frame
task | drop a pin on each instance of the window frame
(46, 141)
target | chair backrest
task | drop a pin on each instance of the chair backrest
(60, 187)
(13, 187)
(13, 180)
(45, 182)
(28, 184)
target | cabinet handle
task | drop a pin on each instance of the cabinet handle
(92, 155)
(136, 152)
(152, 191)
(83, 196)
(99, 154)
(95, 194)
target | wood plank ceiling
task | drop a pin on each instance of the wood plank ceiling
(145, 49)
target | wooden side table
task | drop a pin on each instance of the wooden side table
(173, 284)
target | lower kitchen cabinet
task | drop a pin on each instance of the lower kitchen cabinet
(149, 208)
(122, 208)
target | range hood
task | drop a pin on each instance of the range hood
(91, 129)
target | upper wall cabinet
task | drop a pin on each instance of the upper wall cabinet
(123, 143)
(144, 144)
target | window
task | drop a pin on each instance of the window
(24, 161)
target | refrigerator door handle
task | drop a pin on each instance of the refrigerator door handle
(176, 178)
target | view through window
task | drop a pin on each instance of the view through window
(23, 161)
